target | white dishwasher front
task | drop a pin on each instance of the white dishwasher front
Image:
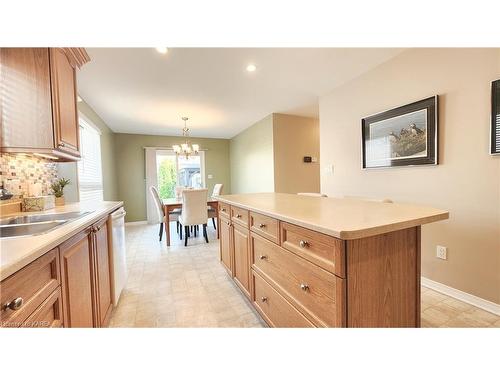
(118, 253)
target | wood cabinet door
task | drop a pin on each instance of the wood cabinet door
(76, 272)
(65, 114)
(25, 99)
(225, 244)
(102, 273)
(242, 258)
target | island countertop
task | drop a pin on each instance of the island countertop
(17, 252)
(344, 218)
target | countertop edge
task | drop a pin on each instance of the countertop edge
(9, 269)
(344, 235)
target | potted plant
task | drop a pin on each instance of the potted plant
(58, 190)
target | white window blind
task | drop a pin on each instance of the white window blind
(496, 135)
(89, 167)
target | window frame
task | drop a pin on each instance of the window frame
(87, 122)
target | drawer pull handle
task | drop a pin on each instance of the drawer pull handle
(304, 287)
(264, 299)
(262, 257)
(15, 304)
(262, 225)
(303, 244)
(238, 216)
(223, 209)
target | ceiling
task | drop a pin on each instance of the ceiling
(138, 90)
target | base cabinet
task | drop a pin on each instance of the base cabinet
(297, 277)
(226, 247)
(242, 261)
(69, 286)
(102, 273)
(76, 270)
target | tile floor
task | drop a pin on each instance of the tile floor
(187, 287)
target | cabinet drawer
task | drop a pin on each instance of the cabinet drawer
(224, 210)
(48, 314)
(239, 216)
(33, 283)
(325, 251)
(266, 226)
(315, 292)
(274, 308)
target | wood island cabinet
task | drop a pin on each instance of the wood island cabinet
(38, 101)
(226, 248)
(242, 263)
(296, 276)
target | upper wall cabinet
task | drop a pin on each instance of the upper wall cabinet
(38, 101)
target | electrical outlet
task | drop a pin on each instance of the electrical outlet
(441, 252)
(210, 176)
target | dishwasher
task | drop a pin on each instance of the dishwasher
(117, 253)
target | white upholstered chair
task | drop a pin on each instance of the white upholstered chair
(313, 195)
(212, 213)
(174, 216)
(194, 211)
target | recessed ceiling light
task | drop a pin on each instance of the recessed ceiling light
(251, 68)
(162, 50)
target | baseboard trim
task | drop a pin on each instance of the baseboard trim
(462, 296)
(128, 223)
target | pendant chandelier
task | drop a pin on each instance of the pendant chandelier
(186, 148)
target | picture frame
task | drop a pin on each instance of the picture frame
(495, 118)
(402, 136)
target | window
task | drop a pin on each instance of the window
(89, 167)
(173, 170)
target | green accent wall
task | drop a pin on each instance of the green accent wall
(130, 167)
(252, 159)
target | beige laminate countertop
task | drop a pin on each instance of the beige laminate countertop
(344, 218)
(17, 252)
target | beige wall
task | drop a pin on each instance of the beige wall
(129, 154)
(109, 177)
(295, 137)
(467, 181)
(251, 154)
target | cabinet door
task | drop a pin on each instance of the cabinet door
(225, 244)
(77, 280)
(102, 273)
(242, 258)
(63, 79)
(25, 99)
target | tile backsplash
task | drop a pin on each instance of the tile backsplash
(17, 171)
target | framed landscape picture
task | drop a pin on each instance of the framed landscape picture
(402, 136)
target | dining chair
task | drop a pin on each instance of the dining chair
(212, 212)
(194, 211)
(174, 215)
(313, 195)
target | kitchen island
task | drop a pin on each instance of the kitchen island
(325, 262)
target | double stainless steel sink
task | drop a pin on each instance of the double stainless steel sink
(30, 225)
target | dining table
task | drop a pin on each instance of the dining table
(170, 204)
